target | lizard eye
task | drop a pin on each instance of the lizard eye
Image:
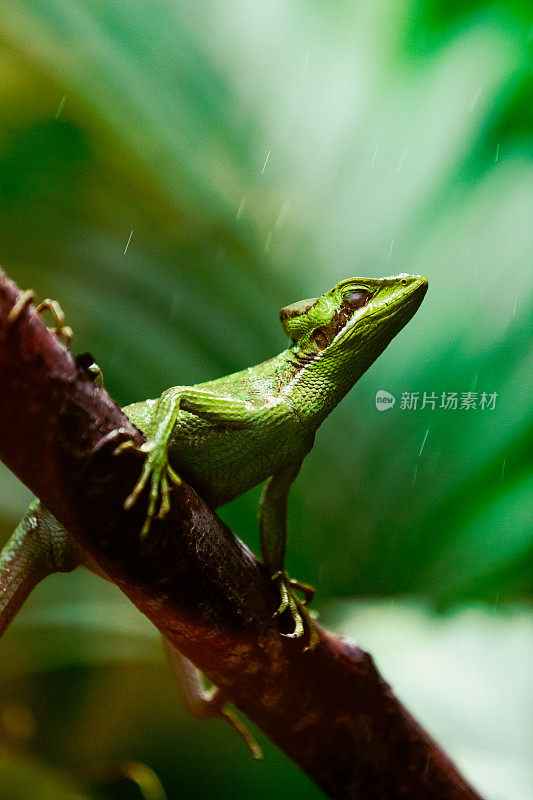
(320, 339)
(356, 299)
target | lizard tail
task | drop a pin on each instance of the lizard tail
(38, 547)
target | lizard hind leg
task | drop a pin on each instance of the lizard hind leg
(38, 547)
(205, 704)
(273, 532)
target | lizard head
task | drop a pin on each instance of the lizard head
(356, 319)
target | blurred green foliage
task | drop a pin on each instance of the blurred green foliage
(174, 173)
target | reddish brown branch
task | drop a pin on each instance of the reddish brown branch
(328, 709)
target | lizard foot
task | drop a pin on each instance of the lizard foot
(53, 306)
(302, 617)
(59, 318)
(158, 471)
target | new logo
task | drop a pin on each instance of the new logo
(384, 400)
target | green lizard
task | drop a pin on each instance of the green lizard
(229, 434)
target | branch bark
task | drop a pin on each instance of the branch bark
(329, 709)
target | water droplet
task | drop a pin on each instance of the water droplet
(128, 243)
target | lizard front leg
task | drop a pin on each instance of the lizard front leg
(156, 419)
(273, 534)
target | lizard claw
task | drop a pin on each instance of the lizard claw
(59, 318)
(53, 306)
(158, 472)
(174, 477)
(307, 590)
(129, 444)
(22, 303)
(302, 617)
(281, 579)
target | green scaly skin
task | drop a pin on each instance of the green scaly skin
(229, 434)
